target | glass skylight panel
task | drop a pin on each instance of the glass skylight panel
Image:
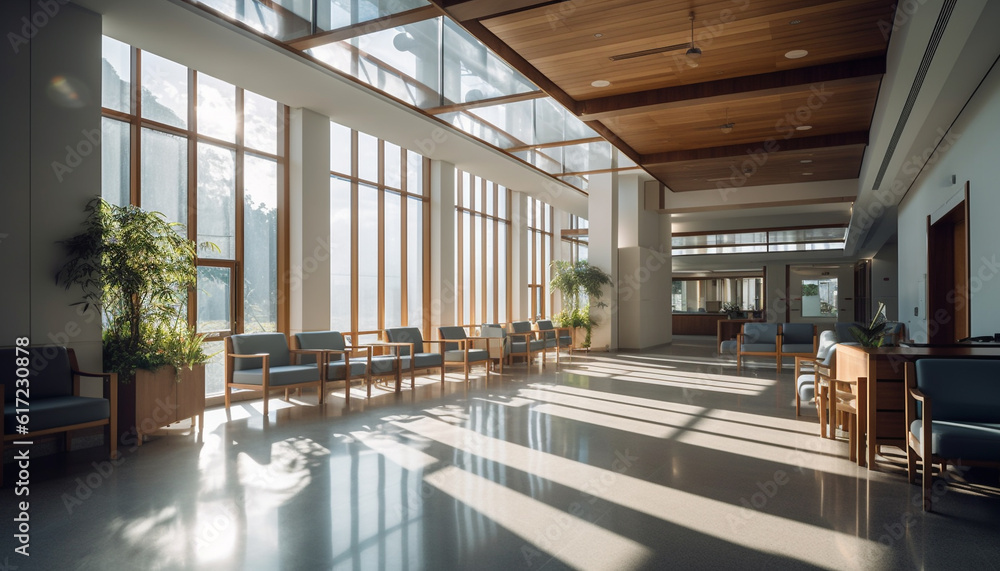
(808, 234)
(257, 15)
(806, 246)
(335, 14)
(473, 73)
(515, 119)
(477, 129)
(587, 157)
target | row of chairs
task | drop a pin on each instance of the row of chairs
(266, 361)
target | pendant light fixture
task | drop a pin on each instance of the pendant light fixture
(693, 53)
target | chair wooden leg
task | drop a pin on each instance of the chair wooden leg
(466, 370)
(852, 434)
(442, 377)
(228, 389)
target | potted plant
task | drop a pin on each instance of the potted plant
(874, 334)
(136, 269)
(575, 281)
(732, 310)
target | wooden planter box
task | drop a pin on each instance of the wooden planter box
(160, 399)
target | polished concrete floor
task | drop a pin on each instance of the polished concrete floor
(653, 460)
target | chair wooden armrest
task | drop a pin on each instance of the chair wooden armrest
(800, 361)
(248, 356)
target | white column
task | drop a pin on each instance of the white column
(309, 211)
(520, 298)
(443, 279)
(603, 211)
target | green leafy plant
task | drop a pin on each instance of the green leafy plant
(875, 333)
(810, 290)
(136, 268)
(731, 307)
(579, 285)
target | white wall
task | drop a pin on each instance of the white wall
(51, 167)
(972, 157)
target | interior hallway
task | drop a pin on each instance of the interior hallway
(653, 460)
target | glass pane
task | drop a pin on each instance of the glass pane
(392, 160)
(502, 202)
(164, 171)
(490, 317)
(340, 254)
(214, 300)
(335, 14)
(260, 245)
(368, 239)
(216, 108)
(502, 276)
(478, 129)
(471, 73)
(340, 149)
(367, 157)
(215, 368)
(260, 124)
(516, 120)
(216, 202)
(466, 238)
(116, 75)
(414, 173)
(819, 298)
(393, 262)
(164, 90)
(415, 261)
(479, 265)
(115, 153)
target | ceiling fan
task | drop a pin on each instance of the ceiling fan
(692, 54)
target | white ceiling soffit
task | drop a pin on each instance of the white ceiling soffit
(187, 35)
(939, 52)
(764, 196)
(775, 217)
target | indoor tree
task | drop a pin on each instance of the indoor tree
(580, 285)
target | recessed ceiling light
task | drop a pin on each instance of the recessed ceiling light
(598, 35)
(806, 161)
(795, 22)
(600, 83)
(803, 127)
(807, 174)
(796, 54)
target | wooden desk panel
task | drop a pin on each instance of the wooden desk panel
(885, 369)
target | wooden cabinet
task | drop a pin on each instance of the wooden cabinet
(162, 398)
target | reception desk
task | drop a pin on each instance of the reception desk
(884, 368)
(702, 323)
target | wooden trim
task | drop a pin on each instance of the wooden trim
(616, 141)
(731, 89)
(577, 232)
(788, 306)
(598, 171)
(284, 223)
(192, 185)
(367, 27)
(794, 144)
(425, 326)
(404, 243)
(488, 102)
(737, 206)
(460, 250)
(484, 274)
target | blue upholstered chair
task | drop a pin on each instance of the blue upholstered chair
(410, 346)
(808, 375)
(459, 350)
(798, 340)
(55, 404)
(953, 415)
(263, 361)
(523, 342)
(498, 349)
(556, 338)
(336, 358)
(758, 339)
(844, 334)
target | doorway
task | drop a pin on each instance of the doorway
(948, 308)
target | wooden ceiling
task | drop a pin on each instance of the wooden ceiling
(668, 116)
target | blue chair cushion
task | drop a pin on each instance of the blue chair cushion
(806, 386)
(275, 344)
(759, 348)
(519, 346)
(565, 341)
(383, 364)
(961, 389)
(52, 412)
(422, 360)
(760, 334)
(320, 340)
(962, 440)
(335, 371)
(452, 332)
(521, 327)
(728, 346)
(474, 355)
(48, 372)
(406, 335)
(797, 334)
(280, 376)
(797, 348)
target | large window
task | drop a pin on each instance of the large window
(482, 230)
(378, 234)
(577, 235)
(819, 298)
(209, 155)
(759, 241)
(711, 294)
(539, 255)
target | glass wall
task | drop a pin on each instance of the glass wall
(482, 230)
(701, 295)
(539, 255)
(378, 234)
(206, 154)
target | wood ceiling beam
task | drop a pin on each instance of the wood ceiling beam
(721, 90)
(769, 146)
(486, 102)
(362, 28)
(465, 10)
(615, 141)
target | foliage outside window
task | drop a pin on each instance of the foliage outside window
(819, 298)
